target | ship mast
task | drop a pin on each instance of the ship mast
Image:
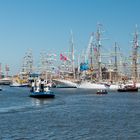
(43, 64)
(7, 70)
(51, 66)
(47, 64)
(0, 71)
(116, 63)
(72, 55)
(116, 66)
(98, 43)
(135, 56)
(89, 51)
(27, 66)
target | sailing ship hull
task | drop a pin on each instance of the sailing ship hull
(65, 84)
(88, 85)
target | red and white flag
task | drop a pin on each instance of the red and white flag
(63, 58)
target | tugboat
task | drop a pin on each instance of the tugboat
(102, 92)
(41, 91)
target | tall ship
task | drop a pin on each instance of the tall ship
(5, 79)
(22, 78)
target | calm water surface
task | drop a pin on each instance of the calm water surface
(74, 114)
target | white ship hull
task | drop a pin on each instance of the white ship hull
(65, 83)
(89, 85)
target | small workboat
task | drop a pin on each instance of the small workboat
(102, 92)
(128, 88)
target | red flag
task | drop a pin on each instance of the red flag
(62, 57)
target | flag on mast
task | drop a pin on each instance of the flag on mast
(63, 58)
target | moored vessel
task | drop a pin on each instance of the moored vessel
(128, 88)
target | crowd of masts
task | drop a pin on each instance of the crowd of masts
(115, 68)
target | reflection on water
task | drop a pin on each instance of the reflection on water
(39, 102)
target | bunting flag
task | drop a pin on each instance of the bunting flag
(95, 50)
(63, 58)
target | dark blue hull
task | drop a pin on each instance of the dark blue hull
(101, 93)
(42, 95)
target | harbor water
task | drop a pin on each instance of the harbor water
(74, 114)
